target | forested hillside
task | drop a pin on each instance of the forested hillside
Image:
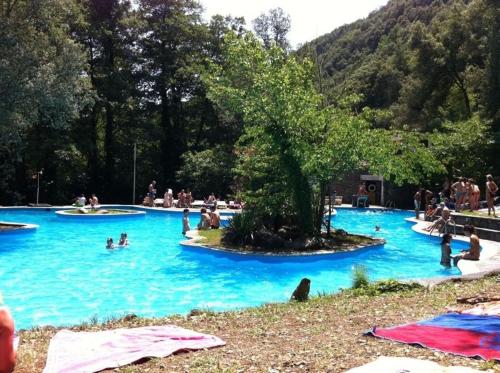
(83, 81)
(426, 61)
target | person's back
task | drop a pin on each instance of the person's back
(446, 213)
(445, 255)
(474, 250)
(7, 352)
(214, 219)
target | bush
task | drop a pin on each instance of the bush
(383, 287)
(359, 277)
(240, 229)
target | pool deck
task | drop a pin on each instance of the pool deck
(488, 263)
(6, 226)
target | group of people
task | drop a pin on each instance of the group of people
(208, 219)
(472, 254)
(462, 194)
(185, 198)
(81, 201)
(122, 242)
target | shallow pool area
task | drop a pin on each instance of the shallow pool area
(62, 274)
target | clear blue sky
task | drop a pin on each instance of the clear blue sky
(310, 18)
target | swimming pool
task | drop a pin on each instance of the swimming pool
(61, 274)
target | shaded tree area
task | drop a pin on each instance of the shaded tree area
(82, 81)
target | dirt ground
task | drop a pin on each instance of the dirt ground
(324, 334)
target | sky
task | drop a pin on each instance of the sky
(310, 18)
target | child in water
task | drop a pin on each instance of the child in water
(446, 251)
(123, 240)
(377, 228)
(185, 222)
(109, 243)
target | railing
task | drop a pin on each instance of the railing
(390, 205)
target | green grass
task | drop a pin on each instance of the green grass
(211, 237)
(476, 213)
(323, 334)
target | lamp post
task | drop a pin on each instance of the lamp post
(38, 174)
(133, 188)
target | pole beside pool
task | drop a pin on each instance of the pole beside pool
(135, 157)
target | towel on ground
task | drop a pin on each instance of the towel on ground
(80, 352)
(489, 308)
(387, 364)
(456, 333)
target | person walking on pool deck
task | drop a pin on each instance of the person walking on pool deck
(417, 198)
(491, 189)
(7, 351)
(152, 193)
(474, 250)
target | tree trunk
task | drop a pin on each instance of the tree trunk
(93, 155)
(109, 160)
(301, 193)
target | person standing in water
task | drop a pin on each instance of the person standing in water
(446, 250)
(185, 222)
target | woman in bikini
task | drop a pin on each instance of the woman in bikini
(474, 193)
(491, 189)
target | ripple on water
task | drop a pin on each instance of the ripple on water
(62, 274)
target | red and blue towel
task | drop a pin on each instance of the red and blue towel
(456, 333)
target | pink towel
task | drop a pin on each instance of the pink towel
(94, 351)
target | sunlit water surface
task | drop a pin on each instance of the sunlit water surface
(61, 274)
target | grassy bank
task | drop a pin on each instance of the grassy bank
(213, 238)
(323, 334)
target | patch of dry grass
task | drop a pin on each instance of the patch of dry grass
(324, 334)
(211, 237)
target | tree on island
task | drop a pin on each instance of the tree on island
(293, 145)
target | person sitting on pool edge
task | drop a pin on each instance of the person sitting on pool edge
(7, 351)
(474, 250)
(109, 243)
(214, 217)
(123, 240)
(204, 223)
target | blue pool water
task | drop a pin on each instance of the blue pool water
(61, 274)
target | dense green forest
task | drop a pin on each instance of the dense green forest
(82, 81)
(429, 65)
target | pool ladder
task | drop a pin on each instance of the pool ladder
(444, 229)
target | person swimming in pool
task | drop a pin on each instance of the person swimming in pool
(123, 240)
(109, 243)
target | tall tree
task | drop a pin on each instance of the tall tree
(105, 33)
(41, 90)
(293, 146)
(273, 27)
(171, 41)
